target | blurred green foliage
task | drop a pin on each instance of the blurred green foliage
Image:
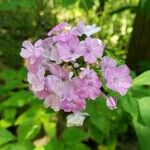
(25, 19)
(24, 122)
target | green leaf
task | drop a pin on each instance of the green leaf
(124, 8)
(130, 105)
(17, 99)
(18, 146)
(5, 136)
(8, 74)
(31, 115)
(77, 146)
(12, 79)
(145, 6)
(67, 3)
(86, 4)
(140, 91)
(143, 2)
(143, 79)
(144, 106)
(15, 4)
(95, 133)
(99, 114)
(9, 114)
(143, 134)
(49, 126)
(54, 144)
(27, 131)
(5, 123)
(74, 135)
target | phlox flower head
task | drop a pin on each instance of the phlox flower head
(67, 68)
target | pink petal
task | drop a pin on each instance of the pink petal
(27, 45)
(52, 101)
(90, 58)
(25, 53)
(38, 43)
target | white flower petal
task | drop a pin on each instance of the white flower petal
(76, 119)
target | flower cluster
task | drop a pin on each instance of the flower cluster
(62, 70)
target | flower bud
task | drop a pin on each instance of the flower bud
(111, 103)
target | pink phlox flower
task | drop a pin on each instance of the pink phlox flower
(88, 30)
(84, 72)
(53, 99)
(91, 49)
(91, 29)
(58, 90)
(68, 50)
(55, 84)
(72, 102)
(59, 71)
(118, 79)
(111, 103)
(57, 28)
(51, 52)
(63, 37)
(30, 52)
(79, 29)
(45, 92)
(63, 79)
(48, 43)
(55, 56)
(89, 85)
(106, 63)
(33, 68)
(37, 80)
